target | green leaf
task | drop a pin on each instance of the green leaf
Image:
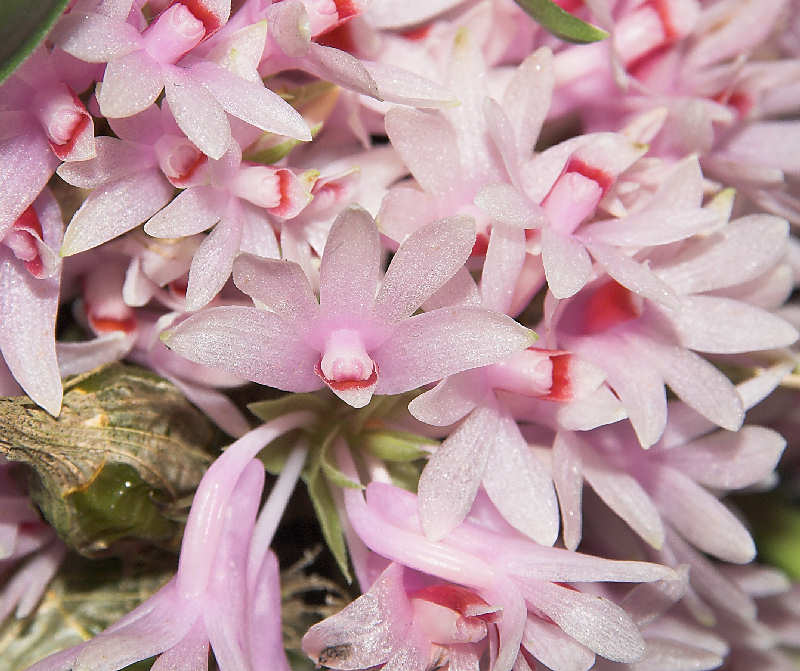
(560, 22)
(118, 462)
(85, 598)
(405, 474)
(23, 25)
(269, 410)
(329, 521)
(395, 445)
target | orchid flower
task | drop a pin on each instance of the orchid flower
(360, 338)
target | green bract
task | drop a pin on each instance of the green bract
(561, 23)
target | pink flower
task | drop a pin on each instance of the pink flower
(360, 338)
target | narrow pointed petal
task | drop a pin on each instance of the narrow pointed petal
(115, 160)
(197, 112)
(189, 654)
(568, 480)
(624, 495)
(699, 384)
(130, 84)
(567, 265)
(427, 144)
(423, 263)
(212, 264)
(435, 344)
(700, 517)
(348, 274)
(450, 400)
(95, 38)
(633, 275)
(27, 332)
(279, 286)
(78, 357)
(730, 460)
(451, 478)
(747, 248)
(514, 477)
(251, 102)
(191, 211)
(504, 258)
(253, 344)
(527, 98)
(26, 163)
(397, 85)
(114, 209)
(506, 204)
(651, 227)
(342, 68)
(595, 622)
(558, 651)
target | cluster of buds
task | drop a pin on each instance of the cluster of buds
(602, 306)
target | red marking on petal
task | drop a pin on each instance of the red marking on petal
(29, 221)
(346, 9)
(561, 385)
(459, 599)
(603, 179)
(738, 100)
(78, 128)
(417, 34)
(112, 324)
(610, 305)
(640, 66)
(481, 244)
(339, 37)
(179, 287)
(182, 180)
(662, 9)
(211, 21)
(344, 385)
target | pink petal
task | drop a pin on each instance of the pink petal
(568, 480)
(567, 265)
(435, 344)
(624, 495)
(651, 227)
(26, 163)
(504, 203)
(197, 112)
(188, 654)
(95, 38)
(266, 636)
(397, 85)
(700, 517)
(460, 289)
(218, 407)
(514, 477)
(504, 258)
(527, 98)
(729, 460)
(279, 286)
(250, 101)
(252, 344)
(427, 144)
(348, 274)
(395, 14)
(747, 248)
(258, 235)
(78, 357)
(212, 264)
(558, 651)
(451, 478)
(723, 326)
(450, 400)
(27, 332)
(595, 622)
(423, 263)
(341, 68)
(116, 208)
(192, 211)
(115, 160)
(130, 85)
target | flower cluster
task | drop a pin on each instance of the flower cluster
(350, 202)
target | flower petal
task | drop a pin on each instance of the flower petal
(423, 263)
(435, 344)
(212, 264)
(253, 344)
(192, 211)
(130, 85)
